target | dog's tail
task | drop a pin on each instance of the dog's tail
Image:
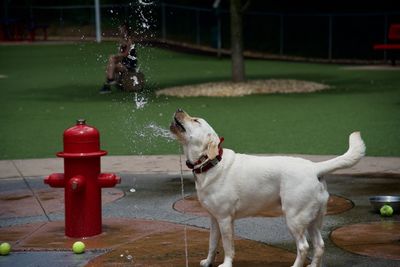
(355, 152)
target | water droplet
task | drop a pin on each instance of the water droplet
(135, 80)
(140, 101)
(131, 57)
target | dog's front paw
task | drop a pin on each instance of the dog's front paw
(225, 264)
(205, 263)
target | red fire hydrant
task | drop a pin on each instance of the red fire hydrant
(82, 180)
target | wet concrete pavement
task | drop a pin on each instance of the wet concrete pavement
(142, 228)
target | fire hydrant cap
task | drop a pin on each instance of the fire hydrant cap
(81, 140)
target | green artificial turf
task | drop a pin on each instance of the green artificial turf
(48, 87)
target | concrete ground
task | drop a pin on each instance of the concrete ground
(142, 228)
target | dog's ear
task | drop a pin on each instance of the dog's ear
(212, 146)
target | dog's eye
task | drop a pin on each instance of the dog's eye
(196, 120)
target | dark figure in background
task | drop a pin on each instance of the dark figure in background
(124, 61)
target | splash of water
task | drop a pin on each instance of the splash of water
(143, 17)
(99, 57)
(135, 80)
(151, 132)
(140, 101)
(145, 3)
(159, 131)
(145, 25)
(130, 49)
(146, 18)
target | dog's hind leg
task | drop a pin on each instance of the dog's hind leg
(215, 235)
(302, 246)
(318, 244)
(314, 230)
(297, 222)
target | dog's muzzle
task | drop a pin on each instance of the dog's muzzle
(176, 123)
(179, 125)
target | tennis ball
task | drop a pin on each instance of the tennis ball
(386, 210)
(78, 247)
(5, 249)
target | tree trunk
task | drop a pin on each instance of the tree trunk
(238, 74)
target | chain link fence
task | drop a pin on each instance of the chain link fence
(324, 36)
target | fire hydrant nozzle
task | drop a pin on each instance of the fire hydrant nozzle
(108, 179)
(55, 180)
(82, 180)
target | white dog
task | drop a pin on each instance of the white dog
(231, 186)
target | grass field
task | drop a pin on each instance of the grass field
(47, 87)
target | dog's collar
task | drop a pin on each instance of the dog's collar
(206, 163)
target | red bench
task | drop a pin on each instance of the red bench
(392, 48)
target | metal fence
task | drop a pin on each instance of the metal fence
(327, 36)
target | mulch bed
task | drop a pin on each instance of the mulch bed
(230, 89)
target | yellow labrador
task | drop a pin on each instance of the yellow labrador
(231, 185)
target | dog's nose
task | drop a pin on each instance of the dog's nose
(179, 110)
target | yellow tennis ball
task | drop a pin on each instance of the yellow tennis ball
(78, 247)
(5, 249)
(386, 210)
